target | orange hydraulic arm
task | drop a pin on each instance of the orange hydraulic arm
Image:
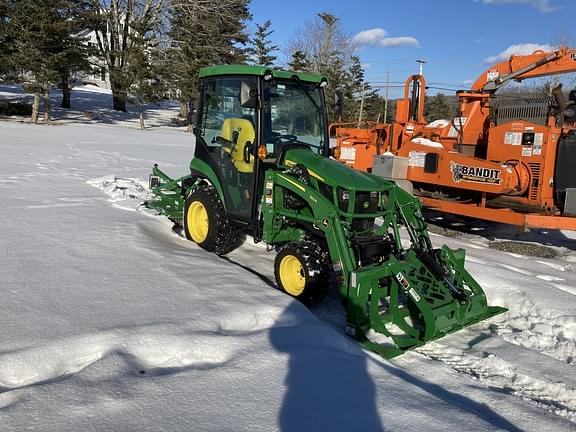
(519, 67)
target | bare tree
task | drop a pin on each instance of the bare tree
(123, 28)
(323, 42)
(323, 47)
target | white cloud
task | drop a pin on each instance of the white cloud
(378, 37)
(519, 49)
(541, 5)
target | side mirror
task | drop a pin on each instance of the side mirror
(339, 102)
(248, 95)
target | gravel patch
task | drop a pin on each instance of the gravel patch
(521, 248)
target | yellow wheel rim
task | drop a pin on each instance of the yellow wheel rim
(197, 221)
(292, 275)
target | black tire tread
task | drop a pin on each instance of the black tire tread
(315, 261)
(223, 237)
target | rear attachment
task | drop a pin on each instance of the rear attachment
(168, 193)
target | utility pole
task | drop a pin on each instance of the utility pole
(386, 97)
(361, 106)
(421, 65)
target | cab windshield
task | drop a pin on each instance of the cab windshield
(293, 114)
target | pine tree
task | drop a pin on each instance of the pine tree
(260, 53)
(75, 52)
(437, 107)
(202, 33)
(43, 44)
(355, 91)
(4, 36)
(299, 62)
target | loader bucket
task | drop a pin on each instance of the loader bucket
(405, 304)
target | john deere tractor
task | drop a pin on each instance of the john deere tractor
(262, 165)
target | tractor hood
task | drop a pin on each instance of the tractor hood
(331, 172)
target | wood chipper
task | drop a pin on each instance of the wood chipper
(262, 165)
(506, 158)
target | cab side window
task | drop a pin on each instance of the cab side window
(221, 101)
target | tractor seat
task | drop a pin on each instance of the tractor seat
(241, 133)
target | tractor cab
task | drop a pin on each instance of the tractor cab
(246, 117)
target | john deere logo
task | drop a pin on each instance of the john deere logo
(475, 174)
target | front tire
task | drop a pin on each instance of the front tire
(206, 223)
(301, 271)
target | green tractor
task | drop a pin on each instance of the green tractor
(262, 166)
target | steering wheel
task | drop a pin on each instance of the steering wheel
(283, 139)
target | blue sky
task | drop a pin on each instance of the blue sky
(456, 38)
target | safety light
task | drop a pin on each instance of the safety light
(323, 82)
(262, 152)
(336, 152)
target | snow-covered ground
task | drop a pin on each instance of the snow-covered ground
(112, 321)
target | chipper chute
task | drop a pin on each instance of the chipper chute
(330, 225)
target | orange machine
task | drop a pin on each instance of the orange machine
(504, 159)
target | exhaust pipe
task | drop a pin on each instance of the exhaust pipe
(561, 101)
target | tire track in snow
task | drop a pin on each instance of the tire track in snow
(494, 371)
(531, 355)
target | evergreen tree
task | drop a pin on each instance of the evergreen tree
(202, 33)
(299, 62)
(437, 107)
(355, 91)
(375, 108)
(43, 44)
(75, 53)
(260, 53)
(4, 37)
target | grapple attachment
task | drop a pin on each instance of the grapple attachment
(406, 303)
(414, 294)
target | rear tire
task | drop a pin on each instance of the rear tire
(206, 223)
(301, 270)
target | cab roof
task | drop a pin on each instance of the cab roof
(258, 71)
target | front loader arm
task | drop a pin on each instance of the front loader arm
(407, 296)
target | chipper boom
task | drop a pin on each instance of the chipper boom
(330, 224)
